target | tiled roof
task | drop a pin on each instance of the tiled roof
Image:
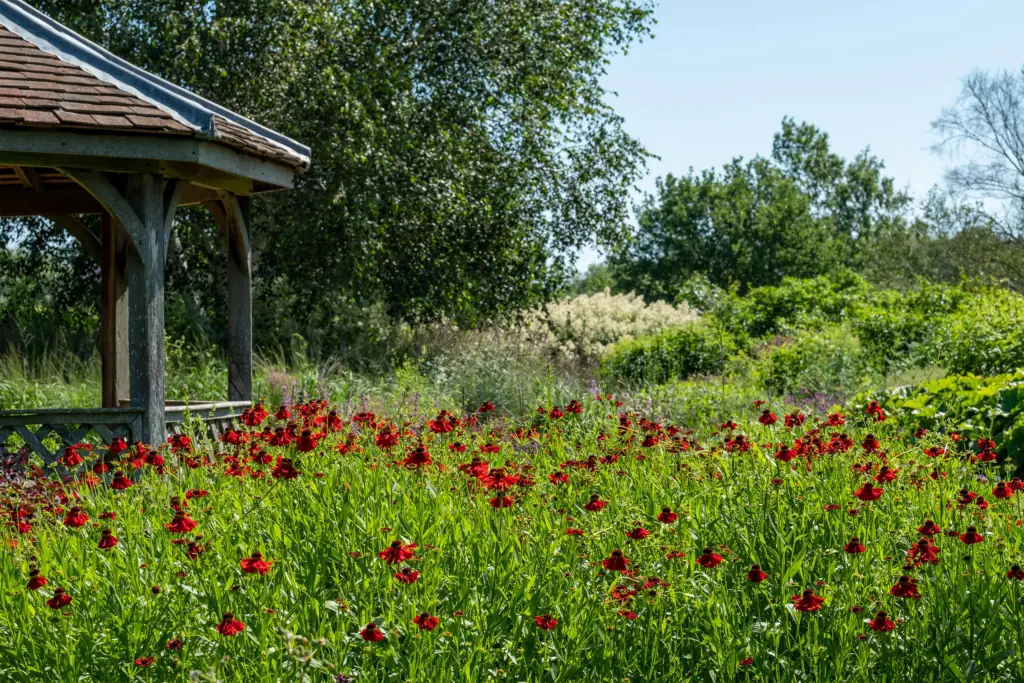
(39, 89)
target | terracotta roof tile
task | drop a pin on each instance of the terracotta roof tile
(38, 88)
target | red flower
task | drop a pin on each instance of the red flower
(196, 493)
(905, 587)
(555, 413)
(755, 574)
(387, 437)
(75, 518)
(784, 454)
(929, 528)
(174, 644)
(36, 580)
(253, 417)
(795, 419)
(371, 633)
(307, 442)
(627, 614)
(616, 562)
(283, 413)
(60, 599)
(120, 482)
(107, 540)
(709, 559)
(881, 623)
(1015, 573)
(573, 532)
(854, 546)
(502, 501)
(546, 622)
(181, 524)
(808, 601)
(407, 575)
(747, 661)
(870, 443)
(667, 516)
(638, 533)
(868, 492)
(767, 418)
(425, 621)
(875, 411)
(498, 480)
(418, 457)
(972, 536)
(558, 478)
(179, 442)
(229, 626)
(923, 551)
(255, 564)
(1002, 490)
(144, 662)
(487, 407)
(886, 474)
(397, 552)
(595, 504)
(284, 469)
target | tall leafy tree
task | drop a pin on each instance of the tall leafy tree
(801, 212)
(463, 149)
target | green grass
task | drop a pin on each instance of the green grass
(486, 573)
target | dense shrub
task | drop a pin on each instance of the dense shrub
(794, 305)
(680, 353)
(825, 362)
(985, 337)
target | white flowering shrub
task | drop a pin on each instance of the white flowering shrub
(582, 328)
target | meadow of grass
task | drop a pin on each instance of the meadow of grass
(582, 542)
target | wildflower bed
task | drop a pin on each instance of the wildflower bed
(584, 544)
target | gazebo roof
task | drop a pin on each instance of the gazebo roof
(53, 79)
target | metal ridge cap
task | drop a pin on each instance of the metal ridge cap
(186, 107)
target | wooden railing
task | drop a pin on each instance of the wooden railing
(46, 432)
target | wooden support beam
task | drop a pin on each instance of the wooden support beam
(151, 203)
(77, 229)
(20, 201)
(114, 315)
(28, 177)
(233, 214)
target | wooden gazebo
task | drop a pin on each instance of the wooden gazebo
(84, 132)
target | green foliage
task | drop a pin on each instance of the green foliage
(975, 407)
(794, 304)
(827, 361)
(696, 349)
(985, 337)
(802, 212)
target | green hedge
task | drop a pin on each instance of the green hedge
(692, 350)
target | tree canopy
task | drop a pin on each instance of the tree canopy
(802, 211)
(463, 151)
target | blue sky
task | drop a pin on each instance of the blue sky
(718, 77)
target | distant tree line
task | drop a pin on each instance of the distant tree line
(804, 211)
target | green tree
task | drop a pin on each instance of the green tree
(463, 150)
(801, 212)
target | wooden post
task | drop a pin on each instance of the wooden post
(113, 313)
(234, 215)
(154, 203)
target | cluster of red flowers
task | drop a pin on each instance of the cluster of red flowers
(284, 443)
